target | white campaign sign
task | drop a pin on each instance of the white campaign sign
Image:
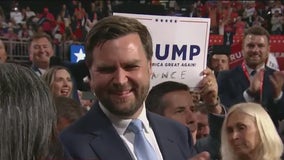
(179, 47)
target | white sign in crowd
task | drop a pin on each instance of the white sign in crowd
(180, 47)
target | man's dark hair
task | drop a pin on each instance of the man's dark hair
(114, 27)
(37, 36)
(68, 108)
(257, 30)
(154, 102)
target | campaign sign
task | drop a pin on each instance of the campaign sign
(180, 47)
(77, 53)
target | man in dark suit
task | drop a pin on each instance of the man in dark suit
(118, 55)
(173, 100)
(252, 81)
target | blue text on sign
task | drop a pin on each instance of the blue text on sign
(177, 51)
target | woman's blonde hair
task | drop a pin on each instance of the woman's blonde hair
(271, 146)
(49, 76)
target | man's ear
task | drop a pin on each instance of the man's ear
(268, 50)
(150, 67)
(31, 56)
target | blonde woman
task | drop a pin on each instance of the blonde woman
(248, 133)
(59, 80)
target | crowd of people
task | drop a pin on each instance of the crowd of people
(243, 119)
(55, 109)
(236, 16)
(70, 23)
(74, 20)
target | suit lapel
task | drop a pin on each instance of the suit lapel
(106, 138)
(242, 79)
(107, 143)
(104, 141)
(168, 147)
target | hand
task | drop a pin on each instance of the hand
(208, 87)
(277, 81)
(209, 91)
(201, 156)
(255, 82)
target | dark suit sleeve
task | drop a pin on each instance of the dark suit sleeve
(66, 154)
(215, 125)
(230, 90)
(212, 142)
(274, 108)
(279, 105)
(174, 139)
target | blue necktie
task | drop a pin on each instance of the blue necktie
(142, 148)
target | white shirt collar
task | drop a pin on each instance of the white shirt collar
(121, 124)
(250, 69)
(42, 71)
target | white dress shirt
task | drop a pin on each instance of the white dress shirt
(252, 99)
(121, 125)
(245, 94)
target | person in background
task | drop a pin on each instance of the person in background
(47, 21)
(248, 133)
(87, 99)
(27, 114)
(118, 54)
(41, 49)
(219, 58)
(25, 32)
(201, 114)
(29, 12)
(3, 52)
(78, 71)
(68, 111)
(203, 128)
(173, 100)
(277, 21)
(59, 80)
(252, 81)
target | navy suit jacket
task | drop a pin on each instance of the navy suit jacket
(233, 83)
(212, 142)
(94, 137)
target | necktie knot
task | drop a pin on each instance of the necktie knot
(135, 126)
(142, 148)
(252, 73)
